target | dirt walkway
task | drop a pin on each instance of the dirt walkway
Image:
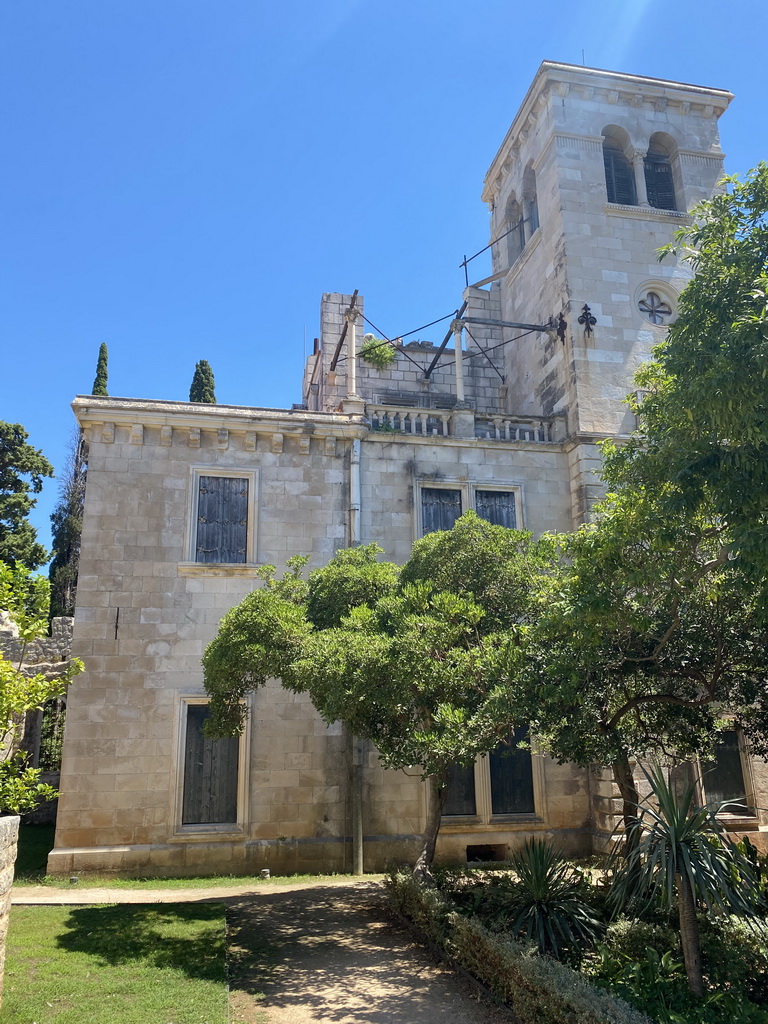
(312, 953)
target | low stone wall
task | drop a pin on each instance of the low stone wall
(48, 655)
(9, 834)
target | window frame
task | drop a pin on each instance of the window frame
(190, 561)
(206, 830)
(468, 491)
(484, 815)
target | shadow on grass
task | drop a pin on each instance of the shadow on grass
(186, 937)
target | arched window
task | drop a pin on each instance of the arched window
(659, 183)
(530, 202)
(513, 223)
(619, 174)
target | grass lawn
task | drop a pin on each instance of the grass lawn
(116, 965)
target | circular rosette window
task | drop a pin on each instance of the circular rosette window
(656, 303)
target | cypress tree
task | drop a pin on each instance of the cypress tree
(202, 389)
(100, 381)
(67, 524)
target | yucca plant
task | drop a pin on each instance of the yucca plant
(681, 857)
(547, 904)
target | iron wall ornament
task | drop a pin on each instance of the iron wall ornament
(586, 319)
(654, 308)
(561, 327)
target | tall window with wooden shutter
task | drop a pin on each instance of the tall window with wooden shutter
(498, 507)
(222, 519)
(499, 785)
(440, 508)
(211, 766)
(619, 175)
(659, 182)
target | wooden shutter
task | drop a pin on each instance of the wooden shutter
(498, 507)
(460, 791)
(659, 183)
(210, 773)
(440, 508)
(619, 176)
(512, 777)
(725, 779)
(222, 519)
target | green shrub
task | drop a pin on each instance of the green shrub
(538, 989)
(734, 955)
(377, 351)
(634, 938)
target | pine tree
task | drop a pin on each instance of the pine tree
(100, 381)
(202, 389)
(22, 469)
(67, 524)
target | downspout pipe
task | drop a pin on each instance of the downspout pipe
(355, 489)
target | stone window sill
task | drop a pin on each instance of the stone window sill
(217, 569)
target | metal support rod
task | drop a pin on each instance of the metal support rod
(443, 343)
(340, 342)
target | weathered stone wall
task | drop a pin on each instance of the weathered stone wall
(9, 831)
(48, 655)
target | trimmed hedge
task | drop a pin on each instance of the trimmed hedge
(537, 989)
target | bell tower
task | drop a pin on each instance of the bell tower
(598, 170)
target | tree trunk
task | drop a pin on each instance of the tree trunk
(625, 780)
(689, 935)
(422, 868)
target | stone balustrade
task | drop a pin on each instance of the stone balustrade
(439, 423)
(424, 422)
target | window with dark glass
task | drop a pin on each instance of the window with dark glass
(724, 780)
(440, 508)
(460, 791)
(210, 773)
(512, 776)
(619, 174)
(659, 184)
(498, 507)
(222, 519)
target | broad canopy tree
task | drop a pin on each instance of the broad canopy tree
(414, 661)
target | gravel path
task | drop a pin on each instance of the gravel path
(312, 952)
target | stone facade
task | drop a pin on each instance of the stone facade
(519, 421)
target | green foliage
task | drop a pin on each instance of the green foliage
(377, 351)
(704, 417)
(680, 841)
(22, 470)
(100, 380)
(631, 938)
(67, 526)
(734, 955)
(25, 597)
(203, 387)
(354, 577)
(549, 905)
(538, 989)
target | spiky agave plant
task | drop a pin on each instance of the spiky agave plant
(547, 905)
(681, 857)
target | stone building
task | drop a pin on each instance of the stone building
(185, 501)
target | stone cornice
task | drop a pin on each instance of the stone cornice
(135, 412)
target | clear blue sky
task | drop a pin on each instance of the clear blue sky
(183, 179)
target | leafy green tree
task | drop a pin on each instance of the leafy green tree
(683, 856)
(644, 642)
(22, 470)
(100, 380)
(67, 525)
(203, 388)
(24, 598)
(704, 417)
(418, 669)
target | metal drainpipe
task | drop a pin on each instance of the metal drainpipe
(357, 743)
